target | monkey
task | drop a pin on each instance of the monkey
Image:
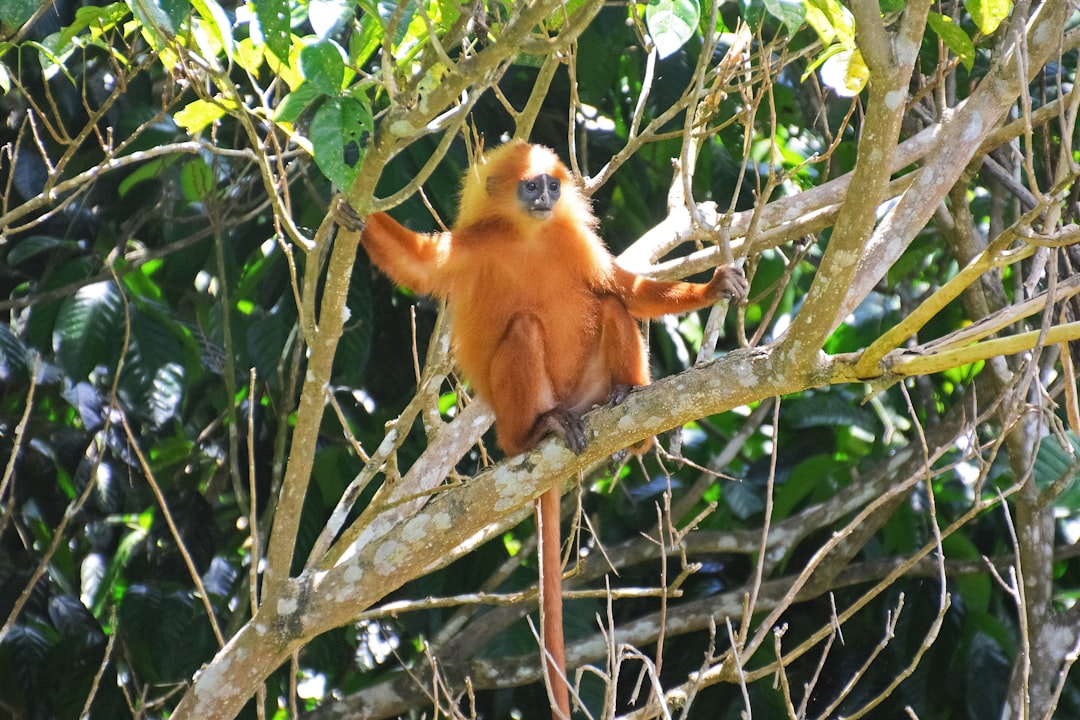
(543, 321)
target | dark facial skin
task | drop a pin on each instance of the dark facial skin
(538, 195)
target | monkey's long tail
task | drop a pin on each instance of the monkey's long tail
(551, 622)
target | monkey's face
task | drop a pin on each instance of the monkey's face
(538, 195)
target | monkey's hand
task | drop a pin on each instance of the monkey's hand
(567, 425)
(346, 216)
(729, 281)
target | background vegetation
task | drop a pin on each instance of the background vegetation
(240, 478)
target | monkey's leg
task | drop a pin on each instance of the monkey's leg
(525, 410)
(626, 357)
(522, 395)
(623, 349)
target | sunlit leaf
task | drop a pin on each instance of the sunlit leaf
(163, 18)
(988, 14)
(831, 21)
(100, 18)
(272, 25)
(845, 72)
(217, 22)
(250, 54)
(671, 24)
(199, 114)
(329, 16)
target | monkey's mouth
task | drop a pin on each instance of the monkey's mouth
(541, 213)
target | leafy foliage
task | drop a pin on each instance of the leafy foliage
(168, 359)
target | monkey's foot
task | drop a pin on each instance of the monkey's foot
(346, 216)
(567, 425)
(619, 393)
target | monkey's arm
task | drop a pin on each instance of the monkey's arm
(646, 298)
(411, 259)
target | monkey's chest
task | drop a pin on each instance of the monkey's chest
(565, 322)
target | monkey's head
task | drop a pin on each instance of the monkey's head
(518, 179)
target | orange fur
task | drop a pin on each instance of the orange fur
(542, 318)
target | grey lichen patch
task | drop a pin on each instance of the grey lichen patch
(417, 528)
(442, 521)
(215, 681)
(287, 606)
(511, 492)
(389, 556)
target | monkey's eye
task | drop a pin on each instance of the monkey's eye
(554, 186)
(530, 186)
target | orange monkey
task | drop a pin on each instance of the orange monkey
(542, 319)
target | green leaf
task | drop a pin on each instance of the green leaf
(161, 16)
(791, 13)
(827, 410)
(407, 9)
(102, 588)
(363, 44)
(197, 180)
(804, 479)
(34, 245)
(101, 18)
(265, 340)
(671, 24)
(53, 56)
(975, 588)
(150, 170)
(13, 13)
(293, 104)
(744, 498)
(339, 133)
(988, 14)
(273, 25)
(1053, 463)
(12, 354)
(954, 38)
(323, 67)
(87, 329)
